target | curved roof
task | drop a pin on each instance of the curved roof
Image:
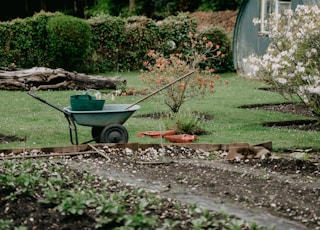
(245, 35)
(310, 2)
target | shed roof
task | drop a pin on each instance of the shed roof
(246, 39)
(311, 2)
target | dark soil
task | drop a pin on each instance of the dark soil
(310, 124)
(280, 191)
(294, 108)
(7, 139)
(283, 190)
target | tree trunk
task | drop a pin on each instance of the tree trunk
(43, 5)
(132, 5)
(42, 78)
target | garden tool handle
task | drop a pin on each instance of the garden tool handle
(46, 102)
(162, 88)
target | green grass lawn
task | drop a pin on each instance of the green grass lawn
(41, 125)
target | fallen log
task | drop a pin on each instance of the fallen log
(42, 78)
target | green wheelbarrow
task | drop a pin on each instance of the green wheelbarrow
(106, 124)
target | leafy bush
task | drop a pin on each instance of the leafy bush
(174, 31)
(223, 62)
(5, 54)
(140, 35)
(19, 44)
(186, 122)
(101, 7)
(69, 39)
(102, 43)
(219, 5)
(162, 70)
(122, 44)
(291, 64)
(38, 54)
(24, 42)
(107, 37)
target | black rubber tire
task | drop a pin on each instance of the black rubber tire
(96, 132)
(114, 133)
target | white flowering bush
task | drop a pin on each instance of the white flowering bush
(291, 63)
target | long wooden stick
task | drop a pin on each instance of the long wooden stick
(100, 152)
(157, 91)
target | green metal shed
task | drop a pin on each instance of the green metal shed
(252, 39)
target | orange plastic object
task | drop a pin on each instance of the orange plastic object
(156, 134)
(182, 138)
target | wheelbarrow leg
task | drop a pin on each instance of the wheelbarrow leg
(72, 129)
(95, 133)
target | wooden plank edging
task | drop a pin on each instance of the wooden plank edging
(133, 146)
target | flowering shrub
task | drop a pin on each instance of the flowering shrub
(162, 70)
(291, 63)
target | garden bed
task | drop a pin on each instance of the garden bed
(282, 190)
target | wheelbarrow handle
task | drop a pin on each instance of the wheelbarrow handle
(48, 103)
(157, 91)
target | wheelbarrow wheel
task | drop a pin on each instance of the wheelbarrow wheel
(95, 133)
(114, 133)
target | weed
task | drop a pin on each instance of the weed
(186, 122)
(5, 224)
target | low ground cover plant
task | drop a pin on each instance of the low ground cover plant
(71, 194)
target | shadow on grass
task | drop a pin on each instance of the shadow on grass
(6, 139)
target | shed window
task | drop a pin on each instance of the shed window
(269, 7)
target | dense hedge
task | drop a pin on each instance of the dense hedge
(141, 35)
(24, 41)
(176, 29)
(69, 39)
(107, 36)
(224, 63)
(99, 44)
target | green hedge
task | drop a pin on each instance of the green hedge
(69, 39)
(223, 63)
(24, 41)
(107, 36)
(100, 44)
(141, 35)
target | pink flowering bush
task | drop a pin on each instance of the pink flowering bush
(161, 70)
(291, 63)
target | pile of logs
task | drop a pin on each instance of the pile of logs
(42, 78)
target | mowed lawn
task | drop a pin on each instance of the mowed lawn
(42, 126)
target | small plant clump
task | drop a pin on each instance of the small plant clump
(161, 70)
(186, 122)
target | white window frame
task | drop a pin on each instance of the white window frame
(279, 6)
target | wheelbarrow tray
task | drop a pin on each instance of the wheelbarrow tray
(110, 114)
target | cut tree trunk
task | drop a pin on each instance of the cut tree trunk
(42, 78)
